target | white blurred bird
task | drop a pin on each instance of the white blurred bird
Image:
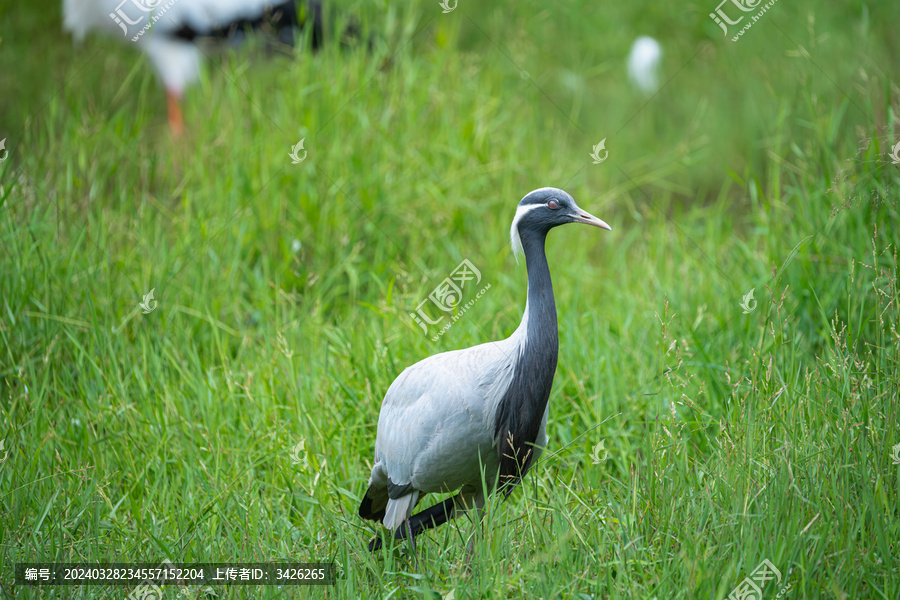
(166, 30)
(643, 64)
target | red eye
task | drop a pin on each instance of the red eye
(553, 204)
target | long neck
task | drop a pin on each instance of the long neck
(539, 321)
(536, 347)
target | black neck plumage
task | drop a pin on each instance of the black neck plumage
(522, 407)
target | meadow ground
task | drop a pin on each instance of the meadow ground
(691, 437)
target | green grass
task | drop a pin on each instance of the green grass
(731, 437)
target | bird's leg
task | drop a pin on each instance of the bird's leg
(417, 523)
(412, 545)
(426, 519)
(429, 518)
(176, 121)
(375, 543)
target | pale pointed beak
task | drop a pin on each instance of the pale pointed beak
(589, 219)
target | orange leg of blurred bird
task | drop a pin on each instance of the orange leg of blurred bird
(176, 122)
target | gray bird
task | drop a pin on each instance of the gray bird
(449, 416)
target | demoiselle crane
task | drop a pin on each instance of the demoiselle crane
(452, 414)
(167, 30)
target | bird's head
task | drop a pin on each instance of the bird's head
(542, 210)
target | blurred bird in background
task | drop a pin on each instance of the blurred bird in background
(643, 64)
(167, 31)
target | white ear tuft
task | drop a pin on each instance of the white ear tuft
(515, 240)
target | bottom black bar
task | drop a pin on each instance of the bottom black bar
(167, 573)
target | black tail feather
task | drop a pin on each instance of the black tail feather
(282, 16)
(367, 507)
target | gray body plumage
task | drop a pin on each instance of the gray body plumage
(449, 416)
(447, 408)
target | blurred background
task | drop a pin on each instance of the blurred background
(236, 421)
